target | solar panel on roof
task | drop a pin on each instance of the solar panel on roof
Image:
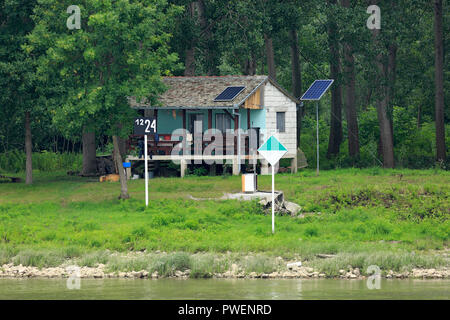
(229, 93)
(317, 90)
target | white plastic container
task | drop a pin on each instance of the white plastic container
(249, 182)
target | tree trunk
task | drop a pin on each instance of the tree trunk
(385, 132)
(189, 61)
(295, 63)
(335, 138)
(350, 103)
(262, 61)
(210, 46)
(249, 68)
(392, 71)
(419, 115)
(350, 97)
(122, 142)
(28, 150)
(382, 102)
(89, 154)
(296, 78)
(368, 98)
(122, 146)
(439, 81)
(123, 179)
(270, 57)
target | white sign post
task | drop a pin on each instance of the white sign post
(146, 169)
(144, 126)
(272, 150)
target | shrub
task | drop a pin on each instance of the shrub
(311, 231)
(39, 258)
(205, 265)
(259, 264)
(168, 264)
(192, 224)
(161, 219)
(380, 227)
(14, 161)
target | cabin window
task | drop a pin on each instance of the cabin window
(223, 122)
(281, 118)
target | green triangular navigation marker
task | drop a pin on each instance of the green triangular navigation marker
(272, 150)
(272, 144)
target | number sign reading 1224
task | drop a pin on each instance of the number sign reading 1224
(143, 126)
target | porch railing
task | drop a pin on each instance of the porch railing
(165, 145)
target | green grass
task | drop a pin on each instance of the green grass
(362, 215)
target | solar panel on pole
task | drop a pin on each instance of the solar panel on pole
(315, 93)
(317, 90)
(229, 93)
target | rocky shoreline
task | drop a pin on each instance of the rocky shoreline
(293, 272)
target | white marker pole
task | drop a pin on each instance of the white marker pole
(273, 199)
(146, 170)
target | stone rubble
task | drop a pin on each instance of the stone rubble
(294, 271)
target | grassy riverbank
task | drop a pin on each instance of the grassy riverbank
(395, 219)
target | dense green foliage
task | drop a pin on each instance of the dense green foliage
(121, 50)
(14, 161)
(415, 148)
(68, 79)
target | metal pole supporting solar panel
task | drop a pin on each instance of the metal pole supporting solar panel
(315, 93)
(317, 135)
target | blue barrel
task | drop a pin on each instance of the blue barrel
(127, 164)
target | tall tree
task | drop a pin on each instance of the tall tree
(335, 137)
(439, 81)
(288, 20)
(270, 56)
(382, 99)
(239, 28)
(350, 94)
(209, 17)
(189, 61)
(295, 63)
(17, 85)
(269, 9)
(291, 17)
(296, 78)
(195, 36)
(121, 50)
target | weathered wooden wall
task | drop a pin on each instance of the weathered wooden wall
(254, 101)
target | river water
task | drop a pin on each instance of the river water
(167, 289)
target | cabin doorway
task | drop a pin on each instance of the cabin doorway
(193, 118)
